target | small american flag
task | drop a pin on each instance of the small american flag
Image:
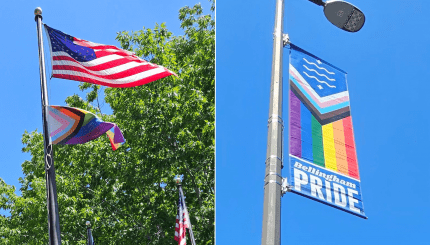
(76, 59)
(182, 219)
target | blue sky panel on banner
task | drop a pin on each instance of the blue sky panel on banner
(322, 155)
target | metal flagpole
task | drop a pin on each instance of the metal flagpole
(51, 186)
(181, 193)
(90, 239)
(273, 178)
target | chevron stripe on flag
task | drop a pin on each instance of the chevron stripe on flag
(69, 126)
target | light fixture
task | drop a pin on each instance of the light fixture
(343, 15)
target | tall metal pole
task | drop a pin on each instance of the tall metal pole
(273, 178)
(181, 193)
(51, 186)
(90, 239)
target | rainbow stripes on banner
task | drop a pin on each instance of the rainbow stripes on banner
(330, 146)
(322, 154)
(69, 126)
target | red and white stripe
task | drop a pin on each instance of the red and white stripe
(113, 67)
(181, 225)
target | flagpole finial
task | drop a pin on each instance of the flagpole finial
(38, 12)
(88, 223)
(178, 180)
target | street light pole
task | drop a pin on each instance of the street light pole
(273, 177)
(346, 17)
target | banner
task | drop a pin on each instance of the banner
(322, 155)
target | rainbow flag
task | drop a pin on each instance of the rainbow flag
(322, 154)
(69, 126)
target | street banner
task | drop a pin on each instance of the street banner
(322, 155)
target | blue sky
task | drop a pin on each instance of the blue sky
(387, 65)
(96, 21)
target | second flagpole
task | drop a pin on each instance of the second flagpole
(51, 186)
(181, 194)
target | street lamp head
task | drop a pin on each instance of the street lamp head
(344, 15)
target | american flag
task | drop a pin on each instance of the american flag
(76, 59)
(182, 219)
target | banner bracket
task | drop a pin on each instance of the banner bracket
(285, 39)
(285, 187)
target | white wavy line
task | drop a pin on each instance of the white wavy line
(321, 68)
(322, 75)
(331, 86)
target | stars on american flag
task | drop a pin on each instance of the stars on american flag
(64, 42)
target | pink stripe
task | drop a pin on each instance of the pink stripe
(321, 104)
(64, 123)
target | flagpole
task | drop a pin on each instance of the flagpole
(51, 186)
(90, 239)
(271, 234)
(181, 193)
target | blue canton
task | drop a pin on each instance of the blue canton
(63, 42)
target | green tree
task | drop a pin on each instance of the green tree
(129, 195)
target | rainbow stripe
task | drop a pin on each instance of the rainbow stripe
(69, 126)
(330, 146)
(115, 137)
